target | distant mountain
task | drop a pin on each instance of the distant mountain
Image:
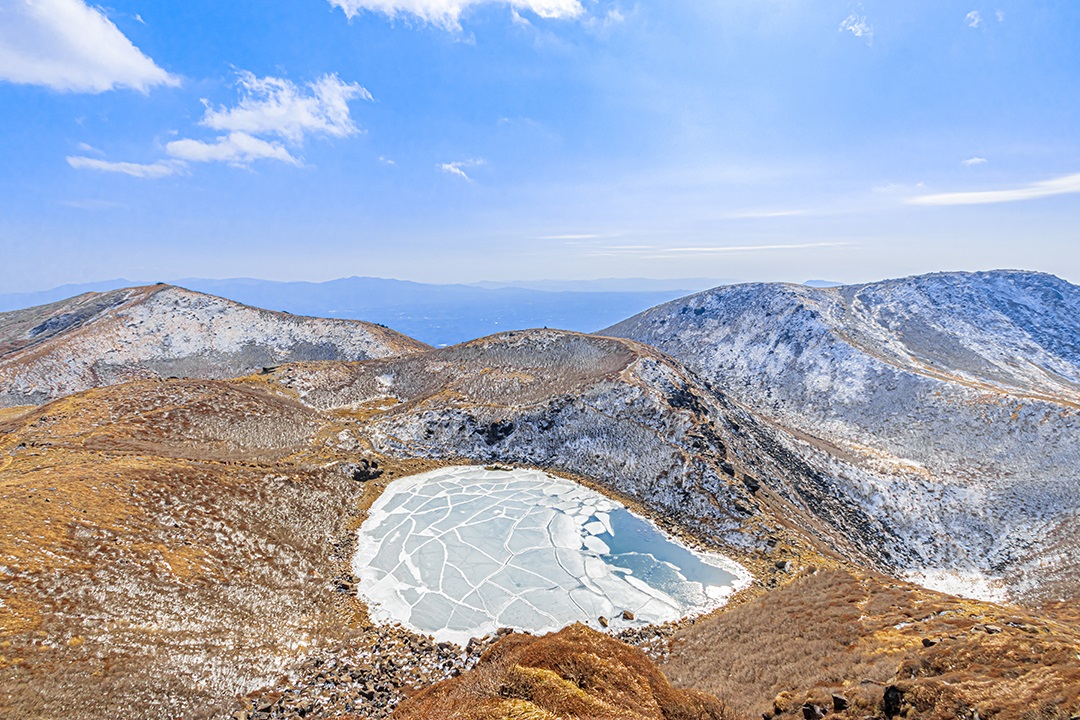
(435, 314)
(19, 301)
(439, 314)
(632, 285)
(947, 405)
(99, 339)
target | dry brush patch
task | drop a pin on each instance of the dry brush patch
(833, 632)
(574, 674)
(148, 571)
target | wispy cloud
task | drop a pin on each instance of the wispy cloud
(1069, 184)
(160, 169)
(972, 161)
(447, 13)
(272, 117)
(654, 252)
(237, 149)
(765, 214)
(581, 236)
(69, 46)
(1000, 14)
(858, 26)
(973, 19)
(88, 148)
(458, 168)
(276, 106)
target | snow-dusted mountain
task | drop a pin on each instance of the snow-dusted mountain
(98, 339)
(946, 405)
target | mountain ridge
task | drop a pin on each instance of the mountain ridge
(949, 399)
(99, 339)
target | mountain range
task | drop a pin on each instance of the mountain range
(184, 476)
(435, 314)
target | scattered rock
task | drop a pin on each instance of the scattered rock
(782, 565)
(728, 469)
(362, 471)
(627, 615)
(992, 629)
(839, 703)
(894, 698)
(751, 483)
(813, 712)
(603, 621)
(929, 642)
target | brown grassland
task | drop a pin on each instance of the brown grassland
(167, 546)
(835, 632)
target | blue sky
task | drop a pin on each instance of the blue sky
(464, 140)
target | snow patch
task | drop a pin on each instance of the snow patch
(962, 584)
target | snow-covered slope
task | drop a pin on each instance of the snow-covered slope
(100, 339)
(614, 411)
(945, 405)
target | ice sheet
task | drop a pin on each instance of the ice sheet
(461, 551)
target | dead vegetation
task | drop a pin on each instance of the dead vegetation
(574, 674)
(166, 547)
(832, 632)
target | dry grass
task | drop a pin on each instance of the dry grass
(167, 546)
(574, 674)
(835, 632)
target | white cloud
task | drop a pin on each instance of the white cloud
(858, 26)
(972, 161)
(447, 13)
(1000, 14)
(237, 148)
(274, 106)
(160, 169)
(68, 46)
(280, 111)
(457, 168)
(88, 148)
(973, 19)
(1066, 185)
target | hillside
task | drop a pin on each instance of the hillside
(830, 643)
(173, 545)
(948, 405)
(99, 339)
(239, 497)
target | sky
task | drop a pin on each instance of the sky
(468, 140)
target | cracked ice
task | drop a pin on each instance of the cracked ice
(461, 551)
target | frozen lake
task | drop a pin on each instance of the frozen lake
(462, 551)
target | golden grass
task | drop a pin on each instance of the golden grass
(835, 632)
(576, 673)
